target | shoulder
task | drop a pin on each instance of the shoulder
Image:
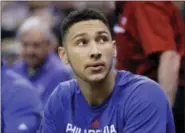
(62, 94)
(66, 88)
(145, 107)
(148, 90)
(17, 81)
(140, 88)
(126, 78)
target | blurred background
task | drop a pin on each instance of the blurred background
(14, 14)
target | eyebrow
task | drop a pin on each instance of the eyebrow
(102, 32)
(83, 34)
(78, 35)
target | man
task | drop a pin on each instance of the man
(40, 64)
(21, 106)
(150, 41)
(102, 99)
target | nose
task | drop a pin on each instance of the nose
(94, 52)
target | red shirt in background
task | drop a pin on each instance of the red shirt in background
(146, 29)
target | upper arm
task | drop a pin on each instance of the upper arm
(171, 57)
(154, 28)
(148, 111)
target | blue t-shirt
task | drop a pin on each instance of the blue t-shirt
(136, 105)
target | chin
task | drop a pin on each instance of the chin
(95, 78)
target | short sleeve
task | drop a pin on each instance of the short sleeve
(148, 111)
(154, 27)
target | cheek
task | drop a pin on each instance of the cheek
(108, 52)
(76, 58)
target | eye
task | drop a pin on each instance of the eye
(102, 39)
(82, 42)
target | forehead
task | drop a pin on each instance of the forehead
(87, 27)
(33, 35)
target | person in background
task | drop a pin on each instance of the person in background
(150, 41)
(39, 63)
(21, 105)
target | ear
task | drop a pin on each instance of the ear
(114, 48)
(63, 55)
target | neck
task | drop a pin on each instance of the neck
(96, 93)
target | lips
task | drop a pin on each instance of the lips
(96, 66)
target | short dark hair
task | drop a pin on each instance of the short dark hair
(81, 15)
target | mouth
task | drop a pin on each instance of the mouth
(96, 66)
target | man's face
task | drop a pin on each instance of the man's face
(35, 47)
(90, 50)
